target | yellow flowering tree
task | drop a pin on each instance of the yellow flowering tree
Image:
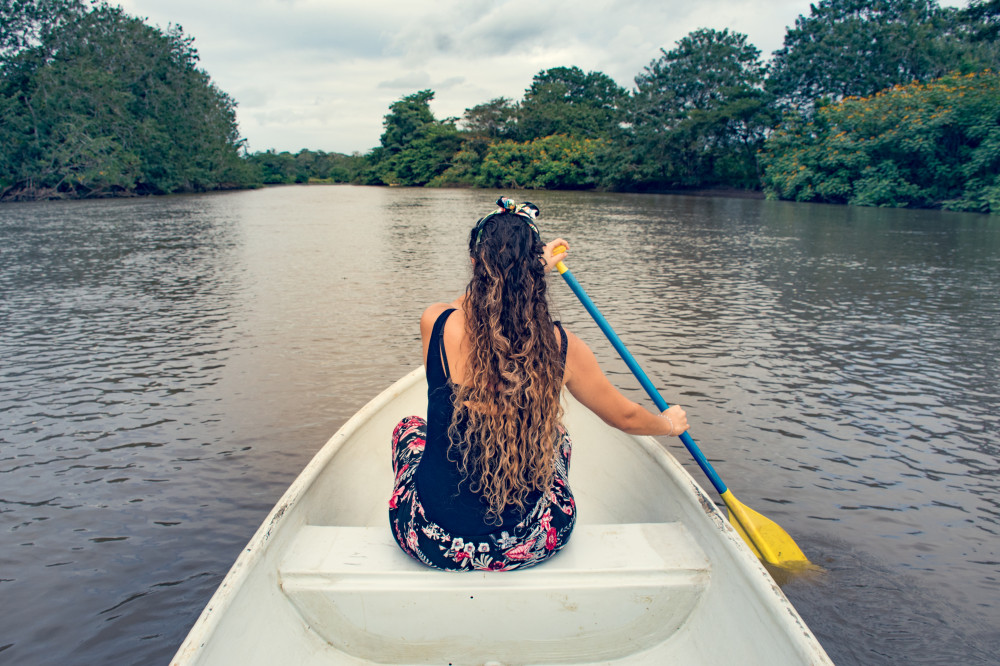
(927, 145)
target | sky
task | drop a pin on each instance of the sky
(321, 74)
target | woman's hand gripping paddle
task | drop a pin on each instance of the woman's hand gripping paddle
(766, 539)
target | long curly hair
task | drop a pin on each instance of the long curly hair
(506, 413)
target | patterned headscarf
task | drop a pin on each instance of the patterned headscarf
(526, 210)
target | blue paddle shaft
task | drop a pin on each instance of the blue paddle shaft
(630, 361)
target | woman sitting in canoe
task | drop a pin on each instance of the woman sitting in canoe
(482, 484)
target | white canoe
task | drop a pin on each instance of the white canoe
(653, 573)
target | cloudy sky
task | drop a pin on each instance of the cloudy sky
(321, 74)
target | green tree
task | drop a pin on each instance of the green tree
(565, 100)
(982, 17)
(28, 23)
(104, 104)
(274, 168)
(332, 167)
(406, 119)
(698, 115)
(480, 127)
(934, 144)
(857, 47)
(555, 162)
(305, 166)
(491, 121)
(415, 148)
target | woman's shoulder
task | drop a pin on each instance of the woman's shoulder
(432, 312)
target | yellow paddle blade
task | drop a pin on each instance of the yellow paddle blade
(768, 541)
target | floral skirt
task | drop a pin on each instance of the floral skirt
(544, 530)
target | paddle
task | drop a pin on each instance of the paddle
(766, 539)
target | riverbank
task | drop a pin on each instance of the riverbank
(53, 194)
(28, 194)
(723, 192)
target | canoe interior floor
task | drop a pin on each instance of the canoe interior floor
(614, 590)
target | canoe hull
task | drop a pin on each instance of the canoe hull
(291, 598)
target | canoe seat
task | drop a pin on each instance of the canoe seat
(613, 591)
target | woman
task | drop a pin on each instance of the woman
(483, 483)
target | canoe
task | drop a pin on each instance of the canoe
(653, 573)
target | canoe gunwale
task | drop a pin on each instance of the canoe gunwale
(252, 553)
(202, 644)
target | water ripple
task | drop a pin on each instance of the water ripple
(169, 365)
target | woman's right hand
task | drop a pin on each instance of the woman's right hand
(677, 420)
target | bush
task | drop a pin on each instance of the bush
(556, 162)
(926, 145)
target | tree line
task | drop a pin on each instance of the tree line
(709, 113)
(875, 102)
(94, 102)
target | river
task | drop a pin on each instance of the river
(168, 365)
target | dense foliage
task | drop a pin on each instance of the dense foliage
(564, 100)
(857, 47)
(306, 166)
(554, 162)
(699, 115)
(870, 102)
(983, 20)
(415, 148)
(96, 103)
(925, 144)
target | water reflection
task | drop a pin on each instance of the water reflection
(169, 365)
(116, 316)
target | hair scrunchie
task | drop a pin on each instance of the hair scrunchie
(526, 210)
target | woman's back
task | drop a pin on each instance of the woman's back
(483, 483)
(448, 497)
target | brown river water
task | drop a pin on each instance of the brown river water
(169, 365)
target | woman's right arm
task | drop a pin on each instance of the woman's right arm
(588, 384)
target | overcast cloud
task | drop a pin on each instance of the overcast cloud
(321, 74)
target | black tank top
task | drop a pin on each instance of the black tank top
(443, 489)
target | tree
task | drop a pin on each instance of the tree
(857, 47)
(306, 166)
(564, 100)
(555, 162)
(699, 115)
(407, 117)
(983, 19)
(99, 103)
(481, 126)
(28, 23)
(274, 168)
(934, 144)
(491, 121)
(415, 148)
